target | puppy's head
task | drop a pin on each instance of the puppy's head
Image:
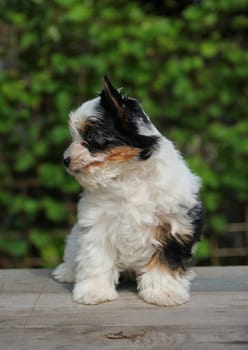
(108, 133)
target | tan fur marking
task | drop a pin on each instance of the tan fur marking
(78, 124)
(155, 261)
(93, 164)
(165, 229)
(158, 260)
(122, 154)
(182, 238)
(82, 126)
(161, 235)
(118, 154)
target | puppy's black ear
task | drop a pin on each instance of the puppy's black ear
(126, 114)
(111, 98)
(112, 94)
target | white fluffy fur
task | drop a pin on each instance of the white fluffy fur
(121, 206)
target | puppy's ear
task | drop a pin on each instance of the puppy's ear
(112, 94)
(111, 98)
(126, 114)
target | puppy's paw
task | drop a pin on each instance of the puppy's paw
(88, 293)
(64, 273)
(165, 297)
(162, 288)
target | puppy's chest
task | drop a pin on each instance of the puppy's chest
(128, 226)
(133, 251)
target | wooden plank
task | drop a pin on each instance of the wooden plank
(38, 313)
(238, 227)
(238, 251)
(221, 278)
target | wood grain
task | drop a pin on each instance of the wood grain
(37, 313)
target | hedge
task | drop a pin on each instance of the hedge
(188, 65)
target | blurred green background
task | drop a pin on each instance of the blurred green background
(186, 61)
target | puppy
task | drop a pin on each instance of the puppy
(139, 210)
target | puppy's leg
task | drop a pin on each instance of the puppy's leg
(162, 287)
(65, 272)
(166, 279)
(96, 275)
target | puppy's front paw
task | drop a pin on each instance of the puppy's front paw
(90, 293)
(164, 297)
(164, 289)
(63, 273)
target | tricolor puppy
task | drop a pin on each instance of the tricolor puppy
(139, 210)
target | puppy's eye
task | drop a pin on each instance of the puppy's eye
(88, 137)
(93, 139)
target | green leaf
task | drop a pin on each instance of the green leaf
(25, 161)
(79, 12)
(45, 244)
(208, 49)
(16, 247)
(218, 223)
(203, 250)
(54, 210)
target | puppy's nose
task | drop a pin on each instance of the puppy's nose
(67, 161)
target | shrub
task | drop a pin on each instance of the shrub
(187, 63)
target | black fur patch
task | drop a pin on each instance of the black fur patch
(179, 254)
(197, 214)
(109, 131)
(123, 117)
(101, 135)
(135, 111)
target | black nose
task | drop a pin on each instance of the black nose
(67, 161)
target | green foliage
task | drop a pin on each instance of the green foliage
(203, 249)
(186, 63)
(48, 247)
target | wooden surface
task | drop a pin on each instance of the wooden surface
(36, 313)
